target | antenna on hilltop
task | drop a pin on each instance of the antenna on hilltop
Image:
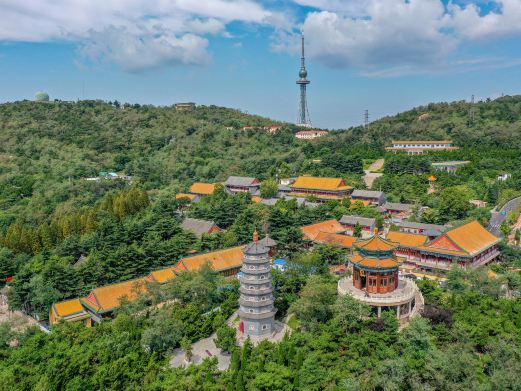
(303, 118)
(366, 118)
(471, 111)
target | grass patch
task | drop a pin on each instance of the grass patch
(293, 323)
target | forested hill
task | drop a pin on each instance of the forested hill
(496, 123)
(46, 147)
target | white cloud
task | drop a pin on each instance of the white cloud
(136, 34)
(394, 37)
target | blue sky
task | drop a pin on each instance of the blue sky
(381, 55)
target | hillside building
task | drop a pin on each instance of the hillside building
(199, 227)
(420, 228)
(184, 106)
(372, 197)
(415, 147)
(366, 224)
(239, 184)
(322, 188)
(310, 232)
(396, 210)
(311, 134)
(202, 189)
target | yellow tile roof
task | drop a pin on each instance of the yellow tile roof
(202, 188)
(191, 197)
(221, 260)
(316, 183)
(472, 237)
(109, 297)
(335, 239)
(329, 226)
(167, 274)
(68, 307)
(406, 239)
(256, 199)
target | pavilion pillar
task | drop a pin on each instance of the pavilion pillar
(398, 311)
(379, 311)
(410, 307)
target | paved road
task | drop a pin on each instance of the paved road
(369, 176)
(498, 217)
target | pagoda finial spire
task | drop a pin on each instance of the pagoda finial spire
(255, 236)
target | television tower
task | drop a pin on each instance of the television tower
(303, 118)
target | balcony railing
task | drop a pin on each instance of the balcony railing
(404, 292)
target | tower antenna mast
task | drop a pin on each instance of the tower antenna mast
(303, 118)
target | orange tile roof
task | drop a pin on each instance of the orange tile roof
(316, 183)
(472, 237)
(202, 188)
(406, 239)
(330, 226)
(374, 262)
(221, 260)
(335, 239)
(191, 197)
(256, 199)
(109, 297)
(376, 243)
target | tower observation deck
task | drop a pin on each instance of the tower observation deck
(303, 118)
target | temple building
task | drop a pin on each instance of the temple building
(468, 245)
(396, 210)
(322, 188)
(239, 184)
(69, 311)
(256, 302)
(414, 147)
(367, 225)
(375, 279)
(372, 197)
(101, 302)
(202, 189)
(310, 232)
(199, 227)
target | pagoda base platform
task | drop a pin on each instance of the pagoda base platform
(279, 330)
(406, 301)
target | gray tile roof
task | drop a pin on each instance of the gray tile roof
(269, 201)
(267, 241)
(241, 181)
(367, 193)
(424, 226)
(196, 226)
(397, 206)
(363, 221)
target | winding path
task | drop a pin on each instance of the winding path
(370, 176)
(498, 217)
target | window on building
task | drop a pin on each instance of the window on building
(252, 327)
(264, 326)
(250, 311)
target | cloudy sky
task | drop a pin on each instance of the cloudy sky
(381, 55)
